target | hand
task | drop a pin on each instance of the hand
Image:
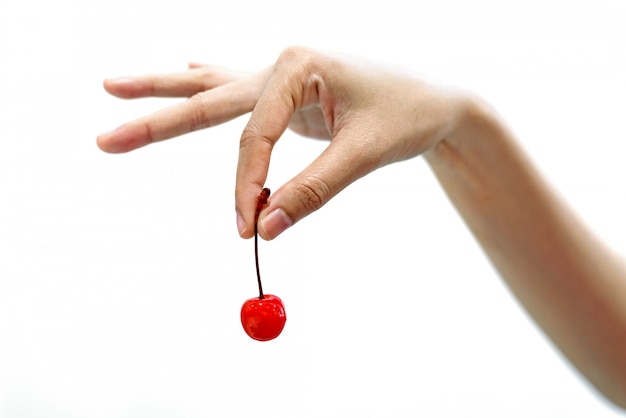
(372, 115)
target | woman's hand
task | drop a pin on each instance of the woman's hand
(569, 282)
(372, 115)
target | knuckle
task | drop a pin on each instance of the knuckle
(252, 133)
(206, 78)
(247, 139)
(149, 132)
(313, 193)
(211, 77)
(196, 115)
(293, 52)
(297, 57)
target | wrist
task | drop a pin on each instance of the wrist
(475, 125)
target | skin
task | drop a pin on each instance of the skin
(568, 281)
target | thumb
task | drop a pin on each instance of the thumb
(342, 163)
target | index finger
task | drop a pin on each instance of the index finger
(269, 120)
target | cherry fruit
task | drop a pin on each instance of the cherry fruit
(263, 317)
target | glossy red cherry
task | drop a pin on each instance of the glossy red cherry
(263, 319)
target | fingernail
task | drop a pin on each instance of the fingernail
(275, 223)
(241, 225)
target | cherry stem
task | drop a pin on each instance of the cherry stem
(262, 200)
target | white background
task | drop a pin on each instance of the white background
(122, 276)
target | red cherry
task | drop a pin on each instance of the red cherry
(263, 319)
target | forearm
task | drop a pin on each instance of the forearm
(568, 281)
